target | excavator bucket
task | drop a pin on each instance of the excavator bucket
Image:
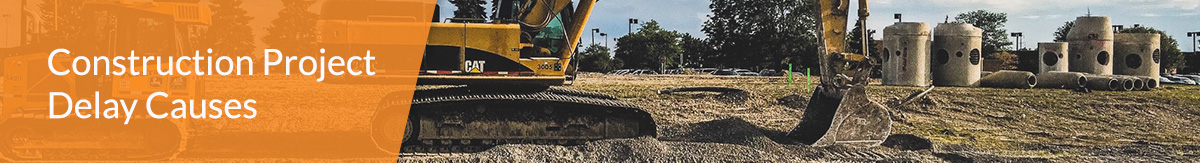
(851, 120)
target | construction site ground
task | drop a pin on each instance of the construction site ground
(949, 124)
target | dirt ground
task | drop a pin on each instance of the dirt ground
(947, 125)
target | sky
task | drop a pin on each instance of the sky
(1037, 19)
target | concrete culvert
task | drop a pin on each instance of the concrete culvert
(1138, 83)
(952, 67)
(1009, 79)
(1091, 41)
(1056, 79)
(1103, 82)
(1151, 83)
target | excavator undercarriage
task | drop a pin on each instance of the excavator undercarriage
(462, 119)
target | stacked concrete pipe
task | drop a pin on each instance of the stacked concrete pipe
(1091, 45)
(1138, 54)
(906, 54)
(1058, 79)
(956, 55)
(1009, 79)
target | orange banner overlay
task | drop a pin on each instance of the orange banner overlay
(210, 80)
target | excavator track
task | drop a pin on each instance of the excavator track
(474, 119)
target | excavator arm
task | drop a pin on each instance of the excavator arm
(839, 111)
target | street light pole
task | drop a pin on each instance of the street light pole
(594, 31)
(631, 22)
(605, 35)
(1194, 46)
(1018, 35)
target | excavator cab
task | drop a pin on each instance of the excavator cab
(839, 112)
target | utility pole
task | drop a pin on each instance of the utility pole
(632, 21)
(1018, 35)
(594, 31)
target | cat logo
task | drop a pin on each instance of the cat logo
(475, 66)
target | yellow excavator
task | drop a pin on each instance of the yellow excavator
(500, 72)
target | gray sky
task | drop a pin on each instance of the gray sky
(1036, 18)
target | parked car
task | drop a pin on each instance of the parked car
(1181, 80)
(1165, 80)
(706, 70)
(748, 73)
(725, 72)
(619, 72)
(771, 72)
(1194, 78)
(745, 72)
(643, 72)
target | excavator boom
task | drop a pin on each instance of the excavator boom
(839, 111)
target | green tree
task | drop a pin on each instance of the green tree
(1172, 57)
(763, 34)
(469, 9)
(995, 37)
(596, 58)
(295, 29)
(1060, 35)
(650, 48)
(230, 33)
(694, 50)
(63, 20)
(854, 41)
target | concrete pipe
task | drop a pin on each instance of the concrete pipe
(1151, 83)
(1103, 82)
(1138, 83)
(1009, 79)
(984, 73)
(1091, 45)
(1057, 79)
(956, 56)
(906, 54)
(1127, 84)
(1053, 57)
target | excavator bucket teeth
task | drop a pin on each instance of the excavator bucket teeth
(851, 120)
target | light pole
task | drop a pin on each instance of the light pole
(605, 35)
(1194, 35)
(898, 17)
(1018, 35)
(594, 31)
(632, 21)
